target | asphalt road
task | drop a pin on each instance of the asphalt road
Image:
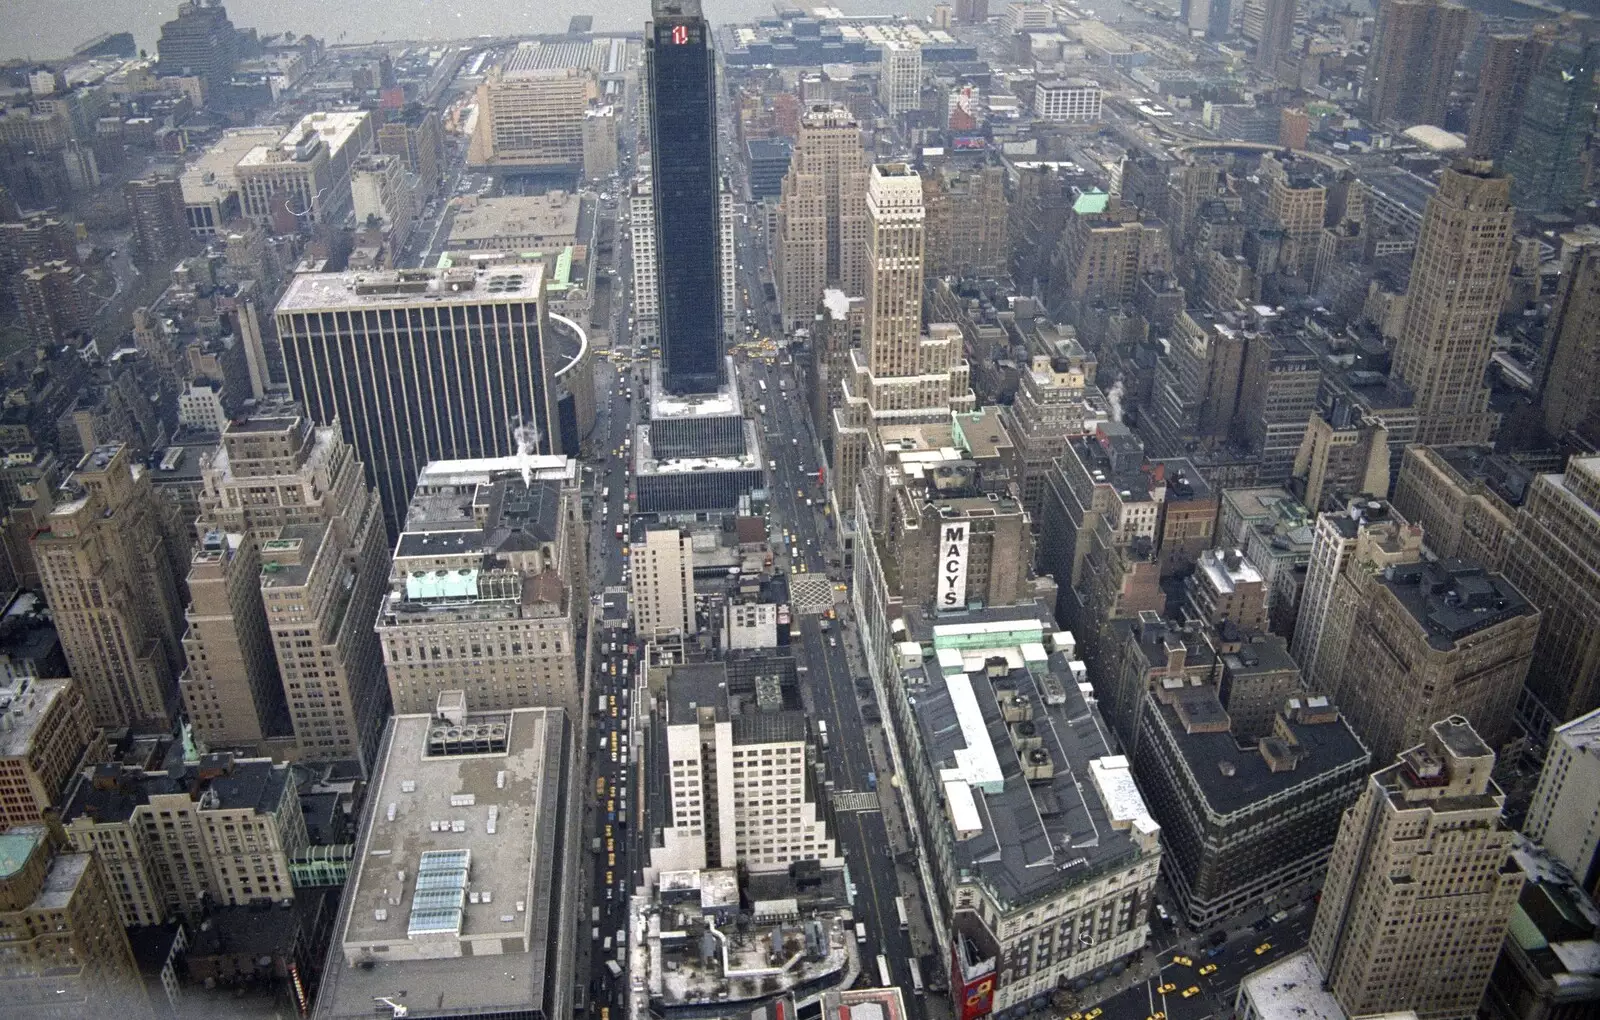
(1236, 959)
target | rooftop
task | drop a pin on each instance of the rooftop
(221, 782)
(315, 292)
(333, 129)
(24, 702)
(456, 860)
(549, 219)
(1038, 803)
(1454, 599)
(1235, 778)
(211, 175)
(1292, 987)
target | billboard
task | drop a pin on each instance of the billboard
(952, 583)
(972, 986)
(969, 142)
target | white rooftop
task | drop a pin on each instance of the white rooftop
(1113, 779)
(389, 289)
(976, 764)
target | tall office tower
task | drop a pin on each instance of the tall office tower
(111, 586)
(1565, 814)
(67, 955)
(492, 609)
(899, 76)
(530, 118)
(1570, 382)
(686, 195)
(966, 220)
(158, 217)
(1277, 35)
(1509, 63)
(1297, 204)
(1546, 160)
(1413, 61)
(415, 135)
(1368, 537)
(1459, 277)
(972, 12)
(231, 692)
(1431, 640)
(304, 178)
(900, 375)
(175, 838)
(1214, 18)
(271, 473)
(200, 41)
(321, 584)
(1421, 883)
(729, 253)
(663, 583)
(718, 742)
(822, 214)
(1051, 407)
(56, 303)
(642, 253)
(1106, 246)
(420, 365)
(42, 745)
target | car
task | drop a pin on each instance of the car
(1093, 1013)
(1191, 991)
(1263, 947)
(1184, 960)
(611, 844)
(1164, 989)
(1209, 968)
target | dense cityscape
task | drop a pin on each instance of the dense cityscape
(1003, 509)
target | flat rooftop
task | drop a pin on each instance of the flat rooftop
(1454, 599)
(1292, 987)
(1233, 778)
(1025, 838)
(317, 292)
(211, 177)
(25, 702)
(334, 129)
(457, 857)
(550, 219)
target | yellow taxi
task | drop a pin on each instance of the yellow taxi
(609, 878)
(1183, 960)
(608, 830)
(611, 844)
(1168, 987)
(1209, 968)
(1192, 990)
(1093, 1013)
(1263, 947)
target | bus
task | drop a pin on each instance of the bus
(763, 384)
(900, 908)
(883, 972)
(916, 974)
(619, 533)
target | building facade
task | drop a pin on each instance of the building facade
(490, 610)
(1412, 66)
(663, 583)
(1421, 871)
(822, 214)
(422, 365)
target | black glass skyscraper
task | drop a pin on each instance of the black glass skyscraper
(683, 158)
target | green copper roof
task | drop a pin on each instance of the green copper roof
(16, 847)
(1091, 202)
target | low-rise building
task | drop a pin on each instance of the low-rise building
(517, 223)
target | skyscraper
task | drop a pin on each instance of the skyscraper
(160, 223)
(1277, 35)
(1459, 278)
(111, 586)
(1571, 385)
(822, 213)
(663, 583)
(1421, 884)
(684, 176)
(1563, 816)
(1509, 63)
(422, 365)
(1414, 52)
(200, 41)
(1546, 161)
(900, 76)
